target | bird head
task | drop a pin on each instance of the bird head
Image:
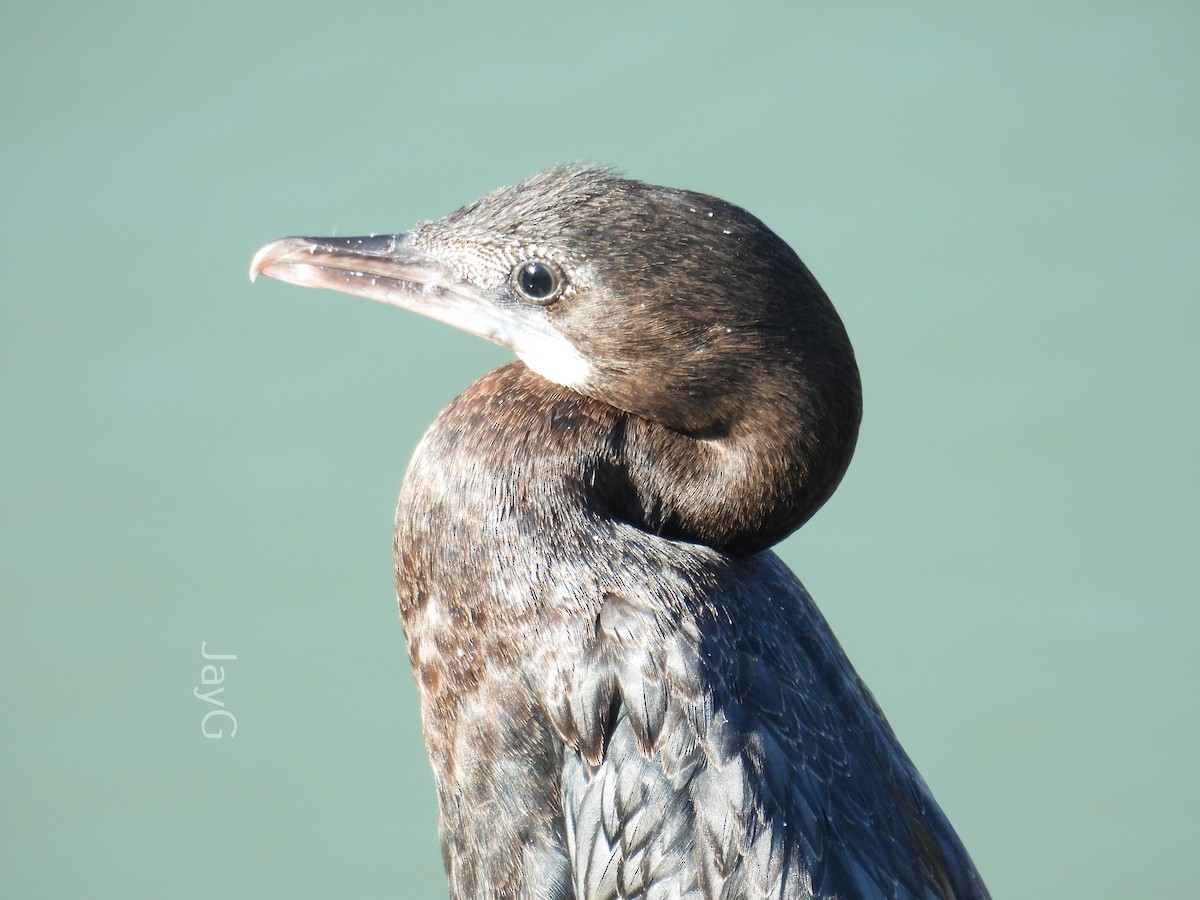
(668, 304)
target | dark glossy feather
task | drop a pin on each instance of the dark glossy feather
(666, 720)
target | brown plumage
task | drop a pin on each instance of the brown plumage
(625, 694)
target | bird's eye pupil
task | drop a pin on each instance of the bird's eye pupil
(537, 281)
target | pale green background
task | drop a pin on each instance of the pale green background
(1003, 202)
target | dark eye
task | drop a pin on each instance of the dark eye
(539, 281)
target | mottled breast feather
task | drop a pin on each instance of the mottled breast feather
(631, 716)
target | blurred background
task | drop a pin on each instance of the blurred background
(1003, 203)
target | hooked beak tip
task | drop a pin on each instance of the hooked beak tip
(274, 252)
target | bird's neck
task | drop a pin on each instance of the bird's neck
(738, 491)
(524, 504)
(517, 473)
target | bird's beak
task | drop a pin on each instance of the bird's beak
(386, 268)
(382, 268)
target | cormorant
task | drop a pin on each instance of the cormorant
(624, 692)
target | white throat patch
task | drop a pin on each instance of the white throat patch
(554, 358)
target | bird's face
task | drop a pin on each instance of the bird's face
(638, 296)
(470, 286)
